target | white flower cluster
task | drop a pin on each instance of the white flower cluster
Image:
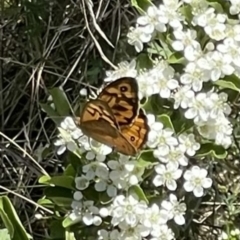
(172, 153)
(135, 220)
(204, 64)
(219, 58)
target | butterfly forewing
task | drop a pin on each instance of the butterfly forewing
(122, 97)
(96, 110)
(97, 121)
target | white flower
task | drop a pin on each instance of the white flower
(219, 105)
(124, 69)
(188, 144)
(167, 176)
(235, 7)
(213, 24)
(217, 64)
(125, 173)
(198, 10)
(163, 232)
(183, 96)
(103, 234)
(151, 21)
(169, 13)
(137, 37)
(154, 217)
(102, 183)
(89, 170)
(86, 212)
(68, 133)
(194, 76)
(77, 196)
(146, 84)
(192, 53)
(159, 137)
(84, 143)
(175, 209)
(76, 214)
(101, 150)
(164, 81)
(196, 181)
(198, 108)
(233, 32)
(184, 39)
(230, 49)
(127, 209)
(219, 129)
(90, 213)
(132, 233)
(174, 157)
(81, 182)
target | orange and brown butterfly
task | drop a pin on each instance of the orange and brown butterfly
(115, 119)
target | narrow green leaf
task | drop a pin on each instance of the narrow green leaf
(229, 82)
(141, 5)
(67, 222)
(60, 101)
(44, 179)
(211, 149)
(63, 181)
(4, 235)
(139, 192)
(70, 171)
(14, 225)
(51, 113)
(166, 121)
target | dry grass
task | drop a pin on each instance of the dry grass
(45, 44)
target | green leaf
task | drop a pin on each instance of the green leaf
(186, 11)
(4, 235)
(63, 181)
(60, 101)
(70, 171)
(67, 222)
(62, 197)
(143, 61)
(217, 6)
(74, 160)
(46, 202)
(166, 121)
(141, 4)
(176, 58)
(180, 123)
(44, 179)
(12, 221)
(144, 164)
(139, 192)
(69, 236)
(51, 113)
(229, 82)
(211, 149)
(147, 158)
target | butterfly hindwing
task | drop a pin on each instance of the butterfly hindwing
(137, 133)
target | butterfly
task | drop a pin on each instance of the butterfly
(114, 118)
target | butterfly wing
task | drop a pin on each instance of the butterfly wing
(137, 133)
(122, 97)
(97, 121)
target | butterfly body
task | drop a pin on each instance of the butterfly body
(114, 118)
